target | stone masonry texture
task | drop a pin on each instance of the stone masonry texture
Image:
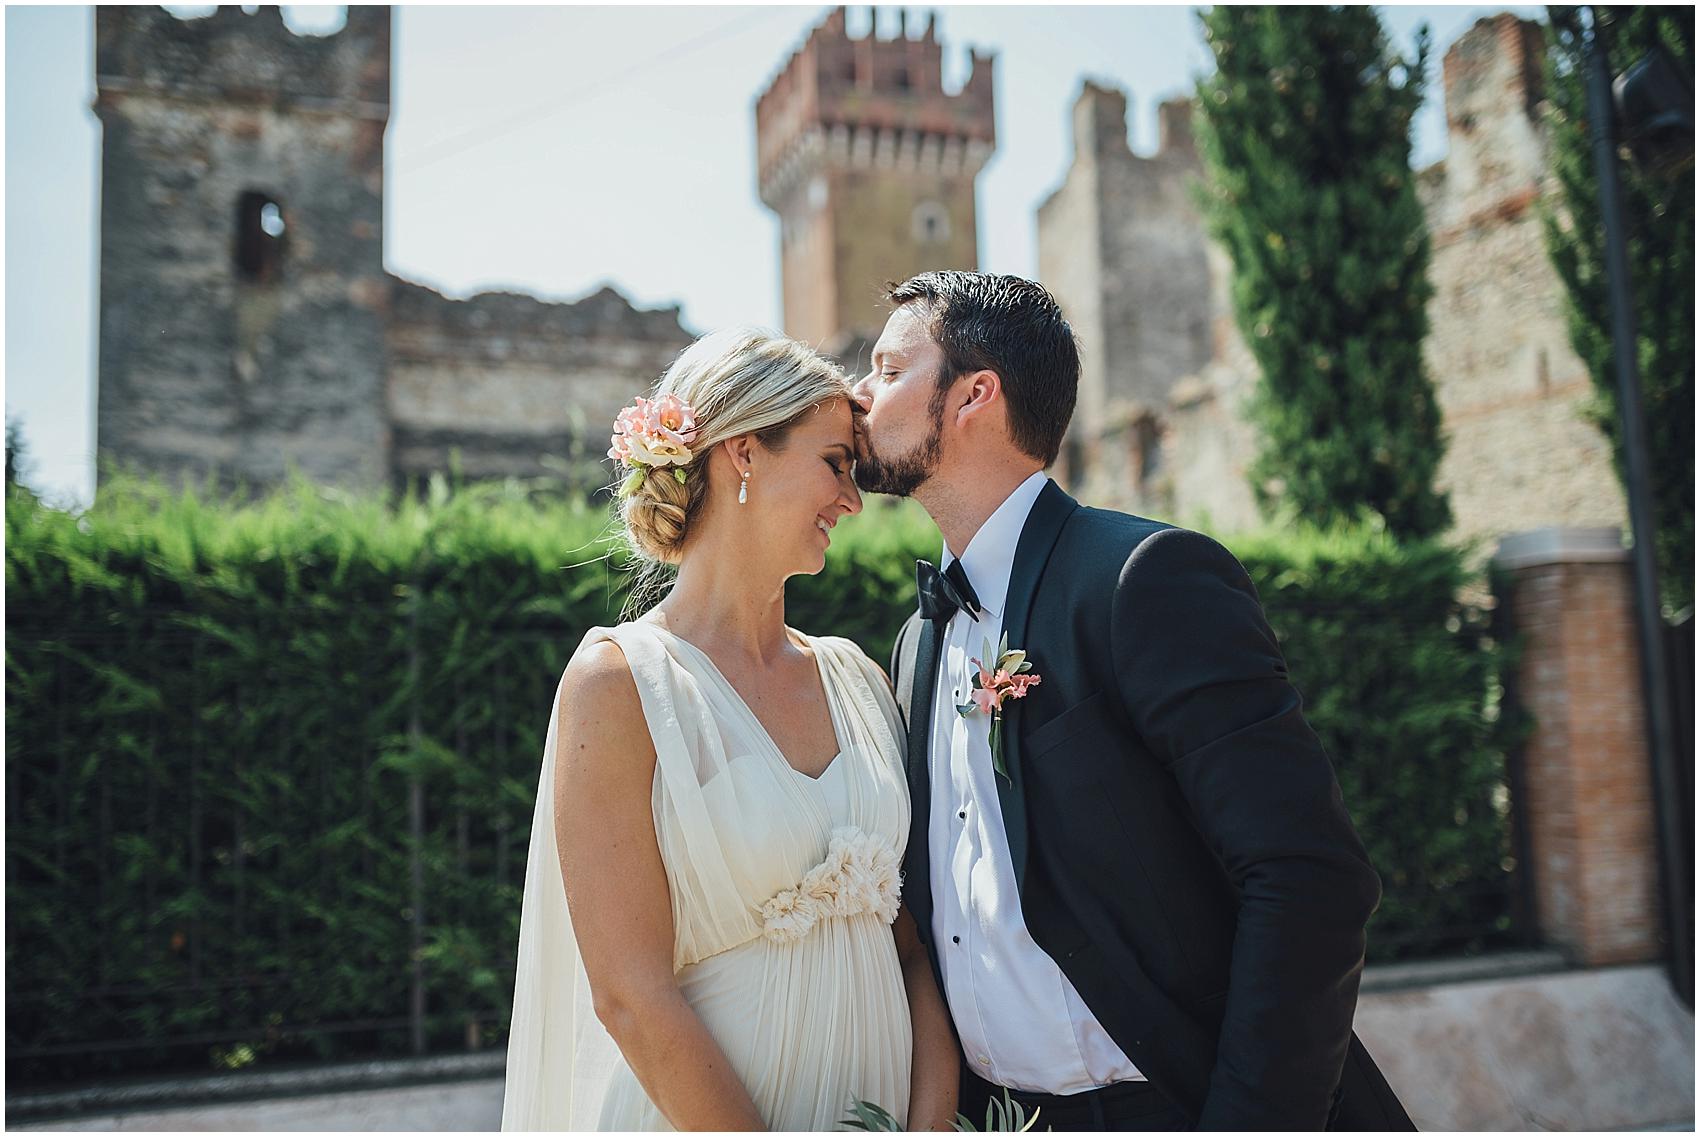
(870, 166)
(1148, 293)
(324, 360)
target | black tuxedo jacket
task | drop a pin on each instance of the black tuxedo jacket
(1179, 839)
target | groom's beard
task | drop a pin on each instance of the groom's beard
(902, 475)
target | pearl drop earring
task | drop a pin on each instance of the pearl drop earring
(744, 489)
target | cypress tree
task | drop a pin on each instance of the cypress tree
(1305, 134)
(1658, 208)
(15, 453)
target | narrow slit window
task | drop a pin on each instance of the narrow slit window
(260, 233)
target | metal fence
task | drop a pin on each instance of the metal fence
(210, 907)
(336, 888)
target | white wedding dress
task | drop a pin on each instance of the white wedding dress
(783, 889)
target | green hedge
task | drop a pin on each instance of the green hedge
(226, 724)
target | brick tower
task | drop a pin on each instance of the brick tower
(242, 288)
(870, 166)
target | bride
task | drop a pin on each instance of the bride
(711, 935)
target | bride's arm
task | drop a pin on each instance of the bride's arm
(619, 902)
(936, 1067)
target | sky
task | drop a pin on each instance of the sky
(554, 149)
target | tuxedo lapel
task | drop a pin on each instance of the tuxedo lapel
(1051, 510)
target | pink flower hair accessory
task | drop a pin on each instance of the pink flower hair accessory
(652, 434)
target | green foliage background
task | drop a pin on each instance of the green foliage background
(1658, 208)
(217, 717)
(1304, 129)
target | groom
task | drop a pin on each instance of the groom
(1147, 910)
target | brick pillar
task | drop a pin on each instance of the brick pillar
(1587, 803)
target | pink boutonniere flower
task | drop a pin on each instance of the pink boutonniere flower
(1006, 675)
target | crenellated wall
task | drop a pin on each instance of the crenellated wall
(247, 321)
(1149, 293)
(202, 369)
(870, 165)
(1123, 248)
(1512, 389)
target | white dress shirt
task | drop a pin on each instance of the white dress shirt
(1021, 1022)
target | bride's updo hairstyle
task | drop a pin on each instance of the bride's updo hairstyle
(737, 381)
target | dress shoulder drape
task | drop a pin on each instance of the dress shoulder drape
(782, 887)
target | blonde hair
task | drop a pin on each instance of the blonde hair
(739, 381)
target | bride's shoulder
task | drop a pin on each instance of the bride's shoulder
(604, 745)
(600, 665)
(850, 653)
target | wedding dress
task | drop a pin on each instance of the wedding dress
(783, 889)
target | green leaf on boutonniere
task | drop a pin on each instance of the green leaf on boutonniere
(997, 751)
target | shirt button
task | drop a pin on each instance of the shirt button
(962, 813)
(985, 1061)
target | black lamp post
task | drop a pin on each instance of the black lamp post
(1659, 120)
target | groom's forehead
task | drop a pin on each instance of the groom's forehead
(906, 333)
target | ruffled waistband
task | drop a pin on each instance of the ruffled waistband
(859, 875)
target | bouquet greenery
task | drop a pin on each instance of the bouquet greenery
(1006, 1116)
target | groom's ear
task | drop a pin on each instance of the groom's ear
(977, 393)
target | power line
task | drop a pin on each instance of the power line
(479, 135)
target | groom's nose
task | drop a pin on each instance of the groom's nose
(860, 392)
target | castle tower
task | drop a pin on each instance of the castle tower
(870, 166)
(1521, 453)
(1124, 250)
(242, 288)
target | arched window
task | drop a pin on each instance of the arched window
(260, 232)
(930, 223)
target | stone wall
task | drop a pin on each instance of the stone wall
(518, 386)
(1125, 251)
(205, 368)
(1511, 388)
(1123, 248)
(235, 350)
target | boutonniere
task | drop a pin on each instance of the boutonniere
(1007, 676)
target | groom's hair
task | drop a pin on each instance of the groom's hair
(994, 322)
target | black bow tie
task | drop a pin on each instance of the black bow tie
(945, 593)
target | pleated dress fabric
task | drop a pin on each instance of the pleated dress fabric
(783, 889)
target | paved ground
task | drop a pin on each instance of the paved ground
(1601, 1050)
(464, 1106)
